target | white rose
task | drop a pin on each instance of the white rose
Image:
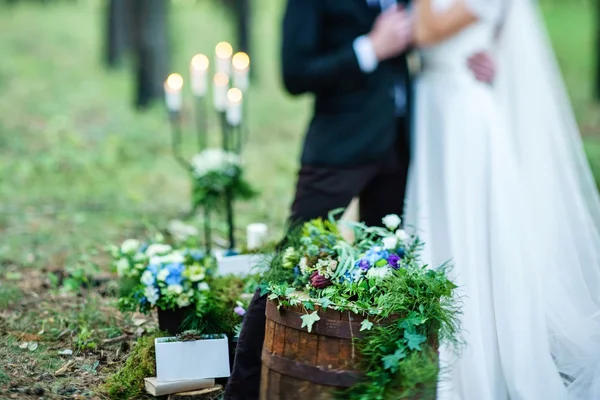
(390, 242)
(175, 289)
(157, 249)
(147, 278)
(184, 300)
(391, 221)
(402, 235)
(130, 246)
(122, 267)
(203, 287)
(162, 274)
(139, 257)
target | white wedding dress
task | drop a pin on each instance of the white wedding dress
(499, 186)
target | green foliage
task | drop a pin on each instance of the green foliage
(211, 189)
(128, 382)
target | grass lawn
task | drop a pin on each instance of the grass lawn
(79, 169)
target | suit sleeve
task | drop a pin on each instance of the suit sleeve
(305, 67)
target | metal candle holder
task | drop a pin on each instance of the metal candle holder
(231, 138)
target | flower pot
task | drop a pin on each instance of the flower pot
(171, 321)
(198, 359)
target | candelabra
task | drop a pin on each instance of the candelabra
(228, 104)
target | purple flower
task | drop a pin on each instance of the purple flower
(239, 310)
(363, 264)
(394, 260)
(319, 281)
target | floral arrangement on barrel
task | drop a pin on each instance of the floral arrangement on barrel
(408, 306)
(215, 172)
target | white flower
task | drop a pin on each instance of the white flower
(402, 235)
(390, 242)
(175, 257)
(303, 265)
(203, 287)
(175, 289)
(196, 273)
(122, 267)
(162, 274)
(139, 257)
(157, 249)
(147, 278)
(391, 221)
(130, 246)
(379, 273)
(213, 160)
(151, 294)
(185, 299)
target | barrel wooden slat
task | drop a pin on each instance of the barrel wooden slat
(298, 365)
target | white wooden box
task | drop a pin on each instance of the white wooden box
(240, 265)
(199, 359)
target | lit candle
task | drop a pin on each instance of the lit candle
(223, 53)
(256, 236)
(199, 75)
(173, 86)
(221, 84)
(241, 66)
(234, 107)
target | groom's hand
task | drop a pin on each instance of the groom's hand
(392, 33)
(483, 67)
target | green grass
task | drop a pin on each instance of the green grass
(79, 168)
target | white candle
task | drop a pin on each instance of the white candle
(241, 66)
(223, 52)
(234, 107)
(173, 86)
(199, 75)
(221, 85)
(256, 235)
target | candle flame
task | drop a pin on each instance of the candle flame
(221, 79)
(240, 61)
(234, 95)
(223, 50)
(199, 62)
(174, 82)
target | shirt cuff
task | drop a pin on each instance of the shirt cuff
(365, 54)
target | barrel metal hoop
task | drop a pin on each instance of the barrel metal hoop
(324, 327)
(310, 373)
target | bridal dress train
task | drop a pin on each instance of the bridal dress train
(500, 186)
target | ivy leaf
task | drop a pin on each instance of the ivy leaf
(272, 296)
(308, 305)
(414, 340)
(391, 361)
(309, 320)
(366, 325)
(325, 302)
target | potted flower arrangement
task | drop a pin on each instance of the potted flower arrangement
(373, 301)
(176, 282)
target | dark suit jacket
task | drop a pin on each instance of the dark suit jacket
(354, 118)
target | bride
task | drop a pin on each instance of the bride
(500, 185)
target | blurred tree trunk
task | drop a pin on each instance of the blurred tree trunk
(118, 38)
(151, 49)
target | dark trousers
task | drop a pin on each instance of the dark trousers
(380, 188)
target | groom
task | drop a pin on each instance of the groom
(351, 55)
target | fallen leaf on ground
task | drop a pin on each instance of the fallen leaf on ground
(32, 346)
(66, 352)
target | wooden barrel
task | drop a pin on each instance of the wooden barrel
(308, 366)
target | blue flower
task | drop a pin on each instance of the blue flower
(401, 252)
(175, 272)
(296, 271)
(375, 254)
(153, 268)
(143, 248)
(363, 264)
